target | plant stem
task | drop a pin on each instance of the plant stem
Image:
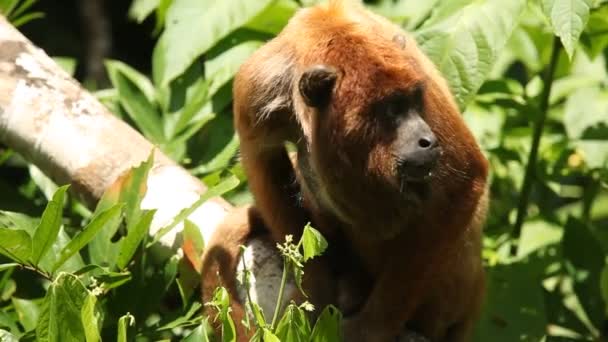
(248, 289)
(280, 297)
(539, 125)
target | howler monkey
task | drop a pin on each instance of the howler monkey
(385, 164)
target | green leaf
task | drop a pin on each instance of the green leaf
(7, 266)
(466, 43)
(269, 336)
(89, 318)
(141, 9)
(200, 334)
(293, 326)
(586, 109)
(327, 327)
(568, 19)
(44, 183)
(274, 18)
(221, 301)
(313, 243)
(134, 237)
(585, 254)
(226, 185)
(15, 244)
(211, 20)
(6, 336)
(123, 325)
(87, 234)
(27, 311)
(514, 309)
(137, 96)
(60, 314)
(221, 68)
(49, 227)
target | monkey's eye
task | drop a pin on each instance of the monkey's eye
(397, 105)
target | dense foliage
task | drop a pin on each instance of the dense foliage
(531, 78)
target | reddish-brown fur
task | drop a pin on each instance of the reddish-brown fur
(424, 257)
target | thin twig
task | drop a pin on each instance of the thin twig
(539, 126)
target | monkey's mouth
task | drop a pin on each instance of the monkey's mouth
(415, 191)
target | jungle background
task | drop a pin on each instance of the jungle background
(530, 76)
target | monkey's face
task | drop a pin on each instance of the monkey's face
(373, 154)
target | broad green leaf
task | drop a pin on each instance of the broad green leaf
(49, 227)
(585, 254)
(89, 318)
(514, 309)
(187, 319)
(184, 98)
(269, 336)
(141, 9)
(137, 96)
(313, 243)
(218, 190)
(293, 326)
(327, 327)
(586, 109)
(28, 312)
(44, 183)
(407, 13)
(200, 334)
(123, 325)
(15, 244)
(60, 314)
(466, 43)
(130, 189)
(48, 261)
(537, 234)
(6, 336)
(134, 237)
(595, 37)
(112, 280)
(18, 221)
(211, 20)
(221, 68)
(87, 234)
(221, 159)
(274, 18)
(568, 19)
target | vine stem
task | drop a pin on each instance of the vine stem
(539, 125)
(277, 308)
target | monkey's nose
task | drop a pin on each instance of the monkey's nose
(419, 164)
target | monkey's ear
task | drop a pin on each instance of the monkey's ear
(316, 85)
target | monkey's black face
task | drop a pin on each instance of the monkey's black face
(415, 147)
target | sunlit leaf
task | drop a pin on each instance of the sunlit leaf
(211, 20)
(60, 314)
(465, 44)
(313, 243)
(49, 227)
(568, 19)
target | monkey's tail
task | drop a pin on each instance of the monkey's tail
(219, 264)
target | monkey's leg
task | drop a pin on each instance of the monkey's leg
(219, 263)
